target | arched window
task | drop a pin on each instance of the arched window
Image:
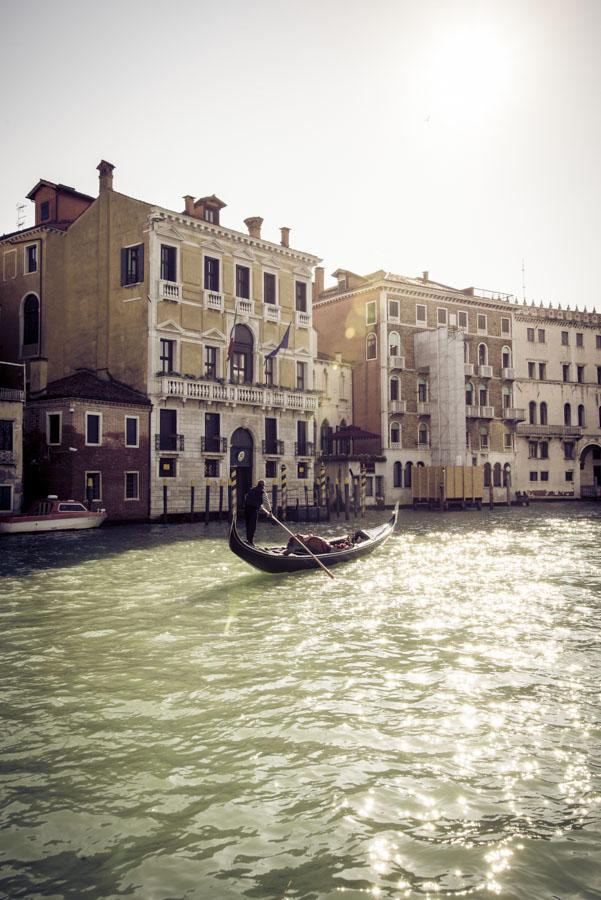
(506, 475)
(486, 474)
(371, 346)
(324, 435)
(482, 355)
(422, 435)
(395, 433)
(469, 394)
(394, 388)
(543, 413)
(507, 397)
(581, 416)
(506, 357)
(241, 366)
(483, 395)
(422, 390)
(496, 475)
(483, 437)
(532, 412)
(408, 468)
(397, 474)
(31, 325)
(466, 352)
(394, 344)
(567, 414)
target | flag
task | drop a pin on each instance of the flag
(230, 346)
(281, 346)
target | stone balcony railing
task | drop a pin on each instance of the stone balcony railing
(559, 431)
(469, 369)
(8, 458)
(424, 408)
(213, 300)
(271, 312)
(245, 307)
(235, 394)
(8, 395)
(508, 374)
(396, 362)
(485, 371)
(303, 319)
(170, 290)
(398, 406)
(514, 414)
(480, 412)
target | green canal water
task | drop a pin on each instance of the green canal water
(177, 725)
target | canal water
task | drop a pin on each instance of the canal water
(177, 725)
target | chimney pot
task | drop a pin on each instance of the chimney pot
(319, 280)
(425, 276)
(189, 207)
(285, 232)
(253, 223)
(105, 176)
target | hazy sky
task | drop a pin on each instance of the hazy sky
(457, 136)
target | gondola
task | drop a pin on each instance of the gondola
(273, 559)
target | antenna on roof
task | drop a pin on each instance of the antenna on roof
(21, 207)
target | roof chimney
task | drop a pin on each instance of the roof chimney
(106, 175)
(189, 208)
(285, 241)
(253, 223)
(425, 276)
(319, 282)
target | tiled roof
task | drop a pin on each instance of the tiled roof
(86, 385)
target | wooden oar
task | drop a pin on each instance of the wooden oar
(296, 538)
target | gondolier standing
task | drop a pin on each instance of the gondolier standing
(254, 500)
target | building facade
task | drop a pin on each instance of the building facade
(12, 399)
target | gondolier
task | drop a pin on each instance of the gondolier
(254, 500)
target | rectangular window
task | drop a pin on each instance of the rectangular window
(243, 282)
(541, 335)
(565, 372)
(210, 362)
(484, 441)
(53, 428)
(370, 313)
(598, 374)
(93, 429)
(132, 264)
(532, 449)
(568, 450)
(533, 476)
(271, 468)
(45, 211)
(6, 435)
(93, 486)
(369, 486)
(530, 335)
(211, 274)
(301, 376)
(269, 287)
(167, 467)
(302, 470)
(507, 441)
(462, 319)
(569, 475)
(531, 370)
(542, 371)
(544, 450)
(565, 339)
(167, 356)
(212, 432)
(168, 429)
(301, 437)
(505, 326)
(168, 263)
(394, 311)
(579, 339)
(211, 468)
(300, 296)
(269, 364)
(271, 435)
(441, 316)
(131, 431)
(544, 476)
(482, 323)
(421, 315)
(580, 374)
(598, 341)
(132, 485)
(6, 498)
(31, 258)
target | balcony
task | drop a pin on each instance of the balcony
(396, 362)
(8, 458)
(235, 394)
(271, 312)
(508, 374)
(485, 371)
(396, 445)
(480, 412)
(170, 291)
(303, 319)
(173, 443)
(487, 412)
(245, 307)
(472, 412)
(213, 300)
(558, 431)
(273, 448)
(469, 369)
(8, 395)
(513, 414)
(213, 444)
(304, 449)
(398, 407)
(424, 408)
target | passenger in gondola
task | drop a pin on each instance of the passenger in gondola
(254, 500)
(301, 542)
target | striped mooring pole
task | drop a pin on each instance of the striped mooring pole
(284, 489)
(233, 504)
(362, 495)
(322, 485)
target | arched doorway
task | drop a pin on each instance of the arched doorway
(590, 471)
(241, 459)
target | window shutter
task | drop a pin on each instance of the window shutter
(141, 263)
(123, 266)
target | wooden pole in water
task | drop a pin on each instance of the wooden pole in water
(346, 499)
(220, 500)
(164, 503)
(192, 502)
(207, 503)
(284, 488)
(233, 498)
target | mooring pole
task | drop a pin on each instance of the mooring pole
(192, 502)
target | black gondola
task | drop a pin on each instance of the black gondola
(274, 560)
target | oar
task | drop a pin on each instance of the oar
(296, 538)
